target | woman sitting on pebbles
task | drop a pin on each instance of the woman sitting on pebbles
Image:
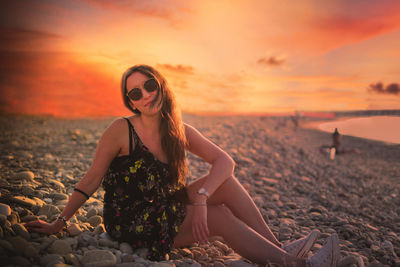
(148, 204)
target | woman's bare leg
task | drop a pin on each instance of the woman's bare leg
(232, 194)
(238, 235)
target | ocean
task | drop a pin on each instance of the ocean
(382, 128)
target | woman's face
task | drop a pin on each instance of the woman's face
(137, 80)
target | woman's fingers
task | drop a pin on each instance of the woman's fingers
(203, 233)
(34, 223)
(200, 232)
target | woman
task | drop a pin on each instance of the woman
(142, 160)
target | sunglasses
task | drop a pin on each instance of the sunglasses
(150, 85)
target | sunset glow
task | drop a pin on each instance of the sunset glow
(66, 58)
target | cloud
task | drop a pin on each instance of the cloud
(271, 61)
(180, 69)
(37, 80)
(172, 11)
(14, 38)
(380, 88)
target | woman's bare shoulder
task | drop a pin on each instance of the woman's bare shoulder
(117, 127)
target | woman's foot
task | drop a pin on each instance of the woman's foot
(328, 255)
(300, 247)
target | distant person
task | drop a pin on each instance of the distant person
(336, 140)
(140, 161)
(336, 148)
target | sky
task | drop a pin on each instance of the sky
(66, 58)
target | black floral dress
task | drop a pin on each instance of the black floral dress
(141, 206)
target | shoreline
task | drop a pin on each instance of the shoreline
(296, 188)
(352, 132)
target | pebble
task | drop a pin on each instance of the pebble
(25, 201)
(49, 211)
(61, 247)
(95, 220)
(125, 248)
(25, 175)
(20, 230)
(98, 258)
(5, 209)
(23, 247)
(74, 229)
(294, 190)
(51, 259)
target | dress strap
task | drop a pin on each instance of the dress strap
(131, 133)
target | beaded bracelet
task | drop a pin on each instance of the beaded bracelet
(64, 220)
(83, 193)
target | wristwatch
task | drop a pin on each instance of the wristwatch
(203, 191)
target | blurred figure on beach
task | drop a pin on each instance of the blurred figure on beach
(336, 140)
(295, 119)
(141, 163)
(335, 148)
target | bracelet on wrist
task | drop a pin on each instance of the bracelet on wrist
(83, 193)
(64, 220)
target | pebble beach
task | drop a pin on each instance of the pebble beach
(296, 188)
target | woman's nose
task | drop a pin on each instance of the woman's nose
(145, 93)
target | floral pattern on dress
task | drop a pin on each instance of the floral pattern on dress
(141, 206)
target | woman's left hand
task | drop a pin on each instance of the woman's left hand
(199, 224)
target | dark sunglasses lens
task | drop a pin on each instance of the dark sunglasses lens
(135, 94)
(151, 85)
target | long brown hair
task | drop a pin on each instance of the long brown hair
(172, 131)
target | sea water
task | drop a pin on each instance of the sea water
(382, 128)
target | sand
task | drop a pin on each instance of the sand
(296, 187)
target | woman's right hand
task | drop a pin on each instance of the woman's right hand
(43, 227)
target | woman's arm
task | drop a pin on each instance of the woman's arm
(222, 165)
(107, 149)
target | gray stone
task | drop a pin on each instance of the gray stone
(126, 248)
(106, 243)
(85, 239)
(95, 220)
(27, 191)
(161, 264)
(51, 259)
(3, 219)
(60, 247)
(7, 246)
(74, 229)
(99, 229)
(25, 201)
(40, 203)
(59, 196)
(127, 258)
(5, 209)
(98, 258)
(25, 175)
(20, 230)
(91, 212)
(73, 242)
(72, 259)
(45, 243)
(23, 247)
(20, 261)
(58, 184)
(49, 210)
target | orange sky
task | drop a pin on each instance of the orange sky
(66, 57)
